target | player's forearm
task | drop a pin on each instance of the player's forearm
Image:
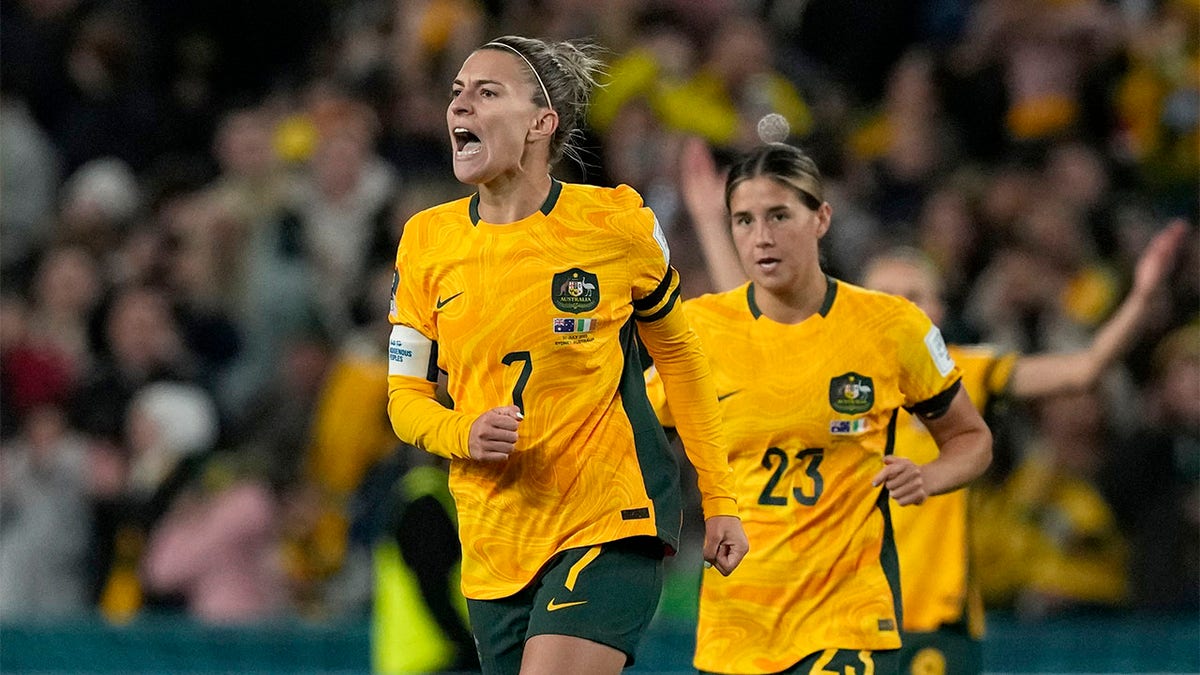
(963, 458)
(964, 446)
(418, 419)
(724, 268)
(1058, 373)
(698, 422)
(1117, 335)
(687, 379)
(712, 229)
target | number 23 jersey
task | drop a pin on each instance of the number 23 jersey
(810, 411)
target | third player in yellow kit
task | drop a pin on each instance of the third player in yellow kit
(811, 373)
(943, 612)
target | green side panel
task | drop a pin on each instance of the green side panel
(660, 469)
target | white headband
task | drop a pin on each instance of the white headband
(528, 63)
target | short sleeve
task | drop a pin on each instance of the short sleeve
(987, 371)
(649, 253)
(999, 373)
(929, 377)
(411, 303)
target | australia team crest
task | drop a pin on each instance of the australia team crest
(851, 393)
(575, 291)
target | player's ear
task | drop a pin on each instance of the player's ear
(544, 125)
(824, 217)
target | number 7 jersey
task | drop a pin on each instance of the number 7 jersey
(810, 412)
(541, 314)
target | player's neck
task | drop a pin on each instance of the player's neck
(513, 199)
(793, 305)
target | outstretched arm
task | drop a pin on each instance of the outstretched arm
(703, 190)
(1054, 373)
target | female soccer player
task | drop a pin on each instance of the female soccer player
(527, 295)
(942, 608)
(943, 612)
(812, 373)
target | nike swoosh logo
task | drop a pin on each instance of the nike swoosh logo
(553, 607)
(722, 397)
(442, 303)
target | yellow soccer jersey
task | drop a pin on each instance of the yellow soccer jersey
(541, 313)
(932, 538)
(810, 412)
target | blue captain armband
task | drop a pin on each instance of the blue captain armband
(412, 354)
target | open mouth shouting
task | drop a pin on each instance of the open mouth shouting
(466, 143)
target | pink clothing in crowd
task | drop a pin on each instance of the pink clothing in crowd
(221, 552)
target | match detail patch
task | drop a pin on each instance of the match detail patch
(937, 349)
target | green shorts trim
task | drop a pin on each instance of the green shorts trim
(950, 650)
(606, 593)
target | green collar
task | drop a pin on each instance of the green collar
(826, 304)
(546, 207)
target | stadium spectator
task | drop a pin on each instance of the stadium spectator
(98, 205)
(720, 98)
(169, 429)
(140, 343)
(45, 488)
(898, 152)
(1050, 56)
(942, 603)
(1047, 542)
(1154, 485)
(217, 547)
(29, 193)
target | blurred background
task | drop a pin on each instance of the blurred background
(200, 202)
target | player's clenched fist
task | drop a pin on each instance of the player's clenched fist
(494, 434)
(725, 543)
(903, 479)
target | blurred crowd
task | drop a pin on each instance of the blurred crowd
(201, 202)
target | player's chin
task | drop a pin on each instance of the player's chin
(769, 281)
(471, 170)
(468, 175)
